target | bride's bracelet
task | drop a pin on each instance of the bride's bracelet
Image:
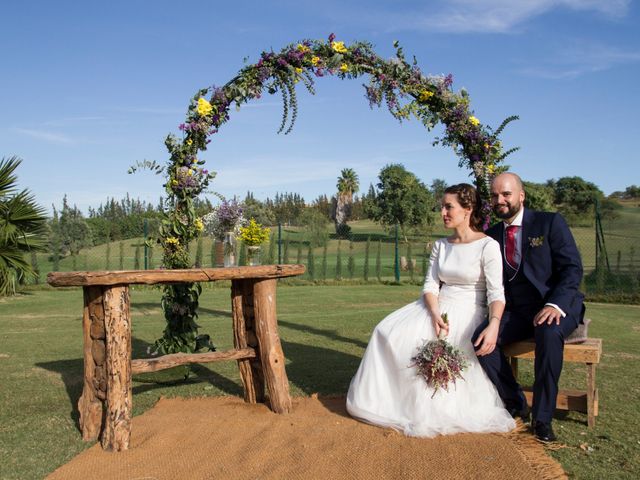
(492, 317)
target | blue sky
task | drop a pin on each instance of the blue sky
(88, 88)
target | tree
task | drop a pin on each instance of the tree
(257, 210)
(347, 185)
(575, 198)
(632, 191)
(316, 227)
(72, 232)
(538, 196)
(402, 199)
(438, 186)
(22, 229)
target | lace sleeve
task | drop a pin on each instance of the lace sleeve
(492, 266)
(432, 280)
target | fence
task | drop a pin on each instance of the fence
(371, 253)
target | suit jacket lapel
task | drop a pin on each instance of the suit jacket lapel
(527, 222)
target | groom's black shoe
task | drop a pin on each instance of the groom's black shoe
(543, 432)
(523, 413)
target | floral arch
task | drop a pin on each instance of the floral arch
(401, 85)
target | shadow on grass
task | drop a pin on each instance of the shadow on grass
(325, 332)
(183, 375)
(319, 370)
(72, 373)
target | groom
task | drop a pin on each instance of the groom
(542, 272)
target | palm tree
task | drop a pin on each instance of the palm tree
(347, 185)
(22, 228)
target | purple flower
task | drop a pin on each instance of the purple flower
(332, 37)
(448, 81)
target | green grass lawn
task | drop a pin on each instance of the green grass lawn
(323, 339)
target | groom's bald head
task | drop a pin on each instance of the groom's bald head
(507, 195)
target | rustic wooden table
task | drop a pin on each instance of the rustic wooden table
(106, 402)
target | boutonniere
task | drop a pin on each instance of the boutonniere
(536, 241)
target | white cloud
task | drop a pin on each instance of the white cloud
(46, 136)
(491, 16)
(581, 58)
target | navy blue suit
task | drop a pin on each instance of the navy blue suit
(550, 271)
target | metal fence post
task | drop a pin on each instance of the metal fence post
(397, 259)
(146, 247)
(279, 243)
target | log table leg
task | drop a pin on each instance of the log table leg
(271, 355)
(94, 389)
(117, 429)
(244, 336)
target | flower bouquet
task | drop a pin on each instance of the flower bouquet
(223, 218)
(223, 223)
(254, 235)
(439, 362)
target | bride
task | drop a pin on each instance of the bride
(465, 281)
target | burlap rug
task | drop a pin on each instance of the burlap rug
(223, 437)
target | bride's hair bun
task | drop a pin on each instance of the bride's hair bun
(468, 197)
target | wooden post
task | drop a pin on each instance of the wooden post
(271, 355)
(90, 403)
(250, 369)
(591, 395)
(514, 367)
(117, 429)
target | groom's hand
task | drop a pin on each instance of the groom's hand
(547, 315)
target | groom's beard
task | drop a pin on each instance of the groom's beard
(511, 211)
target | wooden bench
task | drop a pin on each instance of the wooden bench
(588, 352)
(106, 403)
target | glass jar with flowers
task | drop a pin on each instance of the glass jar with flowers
(253, 236)
(223, 223)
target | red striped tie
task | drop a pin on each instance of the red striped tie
(510, 246)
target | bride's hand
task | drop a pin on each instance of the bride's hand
(487, 339)
(440, 325)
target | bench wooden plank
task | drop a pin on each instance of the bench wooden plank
(588, 352)
(569, 399)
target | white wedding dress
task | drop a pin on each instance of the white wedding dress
(386, 389)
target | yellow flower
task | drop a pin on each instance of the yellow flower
(474, 121)
(344, 67)
(491, 169)
(298, 70)
(189, 142)
(172, 241)
(339, 47)
(303, 48)
(254, 234)
(190, 172)
(425, 95)
(315, 60)
(204, 107)
(198, 224)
